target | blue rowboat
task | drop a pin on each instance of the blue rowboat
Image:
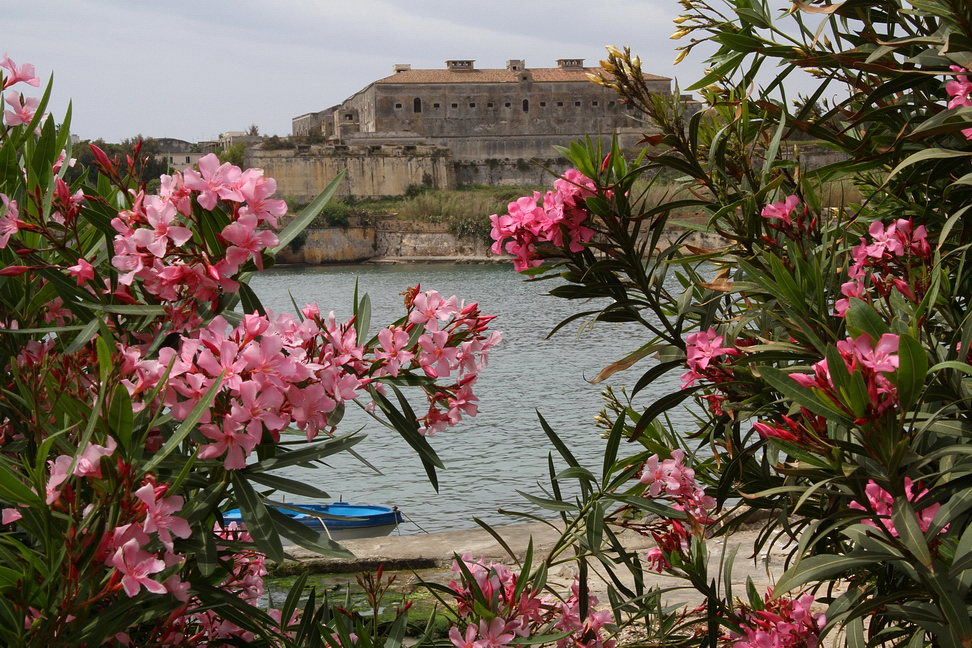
(339, 520)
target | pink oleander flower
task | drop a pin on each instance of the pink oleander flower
(89, 463)
(881, 503)
(437, 359)
(60, 471)
(781, 210)
(159, 516)
(464, 641)
(161, 217)
(9, 220)
(214, 181)
(256, 191)
(850, 289)
(246, 242)
(23, 108)
(394, 342)
(23, 74)
(83, 271)
(701, 349)
(960, 91)
(137, 565)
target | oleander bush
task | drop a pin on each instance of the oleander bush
(145, 391)
(825, 351)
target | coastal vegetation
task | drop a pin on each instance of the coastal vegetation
(825, 351)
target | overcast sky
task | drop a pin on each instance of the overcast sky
(195, 69)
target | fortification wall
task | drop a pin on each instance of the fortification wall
(390, 238)
(303, 176)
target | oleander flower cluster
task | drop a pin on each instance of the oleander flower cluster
(781, 622)
(672, 481)
(515, 612)
(558, 217)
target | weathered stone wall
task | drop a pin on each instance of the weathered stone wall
(371, 174)
(331, 245)
(391, 238)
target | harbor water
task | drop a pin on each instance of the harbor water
(503, 449)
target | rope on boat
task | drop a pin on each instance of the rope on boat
(405, 515)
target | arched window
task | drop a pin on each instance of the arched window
(526, 105)
(417, 105)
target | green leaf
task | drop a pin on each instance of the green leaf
(14, 491)
(560, 445)
(912, 370)
(826, 568)
(611, 450)
(906, 523)
(926, 154)
(256, 518)
(186, 426)
(293, 486)
(308, 538)
(549, 504)
(305, 217)
(120, 416)
(862, 317)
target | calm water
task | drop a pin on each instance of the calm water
(503, 449)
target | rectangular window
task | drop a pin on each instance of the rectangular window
(472, 105)
(455, 105)
(593, 103)
(398, 105)
(507, 104)
(560, 104)
(576, 103)
(489, 105)
(543, 104)
(435, 105)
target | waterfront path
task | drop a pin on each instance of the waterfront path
(432, 555)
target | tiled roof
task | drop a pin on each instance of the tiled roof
(497, 76)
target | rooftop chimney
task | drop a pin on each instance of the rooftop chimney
(570, 64)
(460, 66)
(402, 67)
(515, 66)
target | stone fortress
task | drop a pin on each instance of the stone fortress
(450, 126)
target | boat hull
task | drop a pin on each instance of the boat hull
(339, 520)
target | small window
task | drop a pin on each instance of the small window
(472, 105)
(507, 104)
(526, 105)
(560, 104)
(435, 105)
(543, 104)
(489, 105)
(455, 105)
(188, 161)
(576, 103)
(593, 103)
(611, 104)
(398, 105)
(349, 117)
(417, 105)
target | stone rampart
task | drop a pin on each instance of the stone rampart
(372, 174)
